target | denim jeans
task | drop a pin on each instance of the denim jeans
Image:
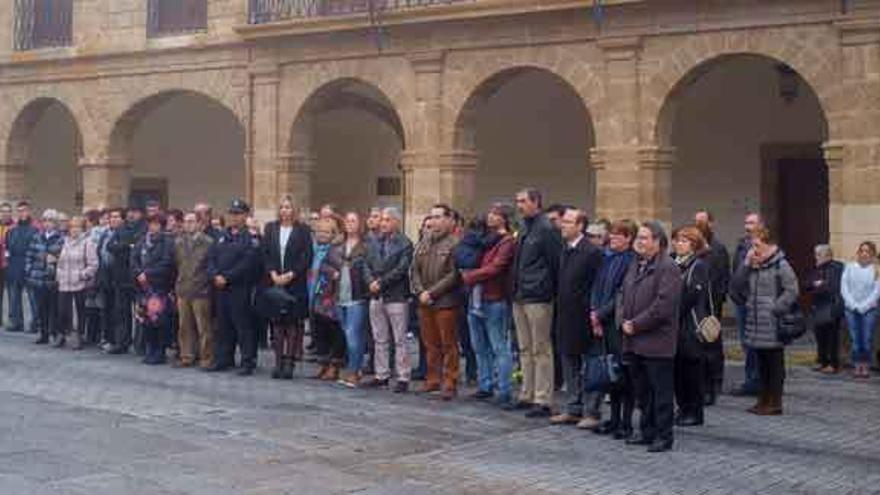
(16, 290)
(489, 337)
(752, 381)
(861, 334)
(354, 319)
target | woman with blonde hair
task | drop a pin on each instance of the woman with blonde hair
(323, 283)
(860, 290)
(287, 254)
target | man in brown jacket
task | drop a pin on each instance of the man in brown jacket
(193, 293)
(435, 281)
(651, 292)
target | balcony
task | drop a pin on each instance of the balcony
(42, 24)
(175, 17)
(274, 18)
(265, 11)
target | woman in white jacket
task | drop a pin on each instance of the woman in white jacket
(77, 266)
(860, 290)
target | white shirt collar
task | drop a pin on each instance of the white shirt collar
(575, 242)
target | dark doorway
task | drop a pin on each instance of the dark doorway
(798, 175)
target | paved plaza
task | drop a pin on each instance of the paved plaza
(85, 423)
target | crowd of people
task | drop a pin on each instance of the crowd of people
(530, 294)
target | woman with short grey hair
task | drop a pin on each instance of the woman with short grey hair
(826, 308)
(40, 267)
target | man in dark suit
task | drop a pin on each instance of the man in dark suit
(578, 266)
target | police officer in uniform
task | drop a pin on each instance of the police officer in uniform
(231, 266)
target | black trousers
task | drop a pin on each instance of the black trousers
(713, 358)
(655, 379)
(236, 327)
(828, 344)
(46, 311)
(121, 317)
(329, 340)
(72, 305)
(623, 397)
(690, 378)
(579, 402)
(771, 370)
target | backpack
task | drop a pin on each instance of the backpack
(792, 325)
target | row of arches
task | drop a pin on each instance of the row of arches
(747, 131)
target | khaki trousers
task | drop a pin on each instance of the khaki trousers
(195, 329)
(438, 332)
(387, 320)
(532, 323)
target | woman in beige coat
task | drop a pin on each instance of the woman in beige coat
(77, 266)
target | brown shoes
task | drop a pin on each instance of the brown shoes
(769, 404)
(331, 373)
(564, 419)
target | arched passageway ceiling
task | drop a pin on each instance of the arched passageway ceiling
(346, 93)
(471, 79)
(529, 128)
(811, 52)
(18, 132)
(727, 122)
(389, 82)
(126, 125)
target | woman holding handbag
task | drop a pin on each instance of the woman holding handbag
(768, 286)
(689, 247)
(826, 308)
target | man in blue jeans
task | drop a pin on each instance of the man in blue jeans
(751, 385)
(18, 239)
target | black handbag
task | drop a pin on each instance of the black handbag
(823, 316)
(791, 325)
(602, 371)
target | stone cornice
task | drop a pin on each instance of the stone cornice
(854, 32)
(416, 15)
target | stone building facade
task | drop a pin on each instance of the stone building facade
(428, 71)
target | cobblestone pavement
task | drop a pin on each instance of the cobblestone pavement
(84, 423)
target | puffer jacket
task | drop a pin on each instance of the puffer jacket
(38, 267)
(768, 291)
(433, 270)
(78, 264)
(18, 241)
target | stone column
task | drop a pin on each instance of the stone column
(295, 174)
(106, 182)
(853, 151)
(263, 158)
(13, 185)
(430, 175)
(632, 173)
(634, 182)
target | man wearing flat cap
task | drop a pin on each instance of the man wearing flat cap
(231, 268)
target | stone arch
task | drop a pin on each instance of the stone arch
(319, 117)
(388, 81)
(26, 119)
(125, 125)
(810, 52)
(470, 80)
(348, 92)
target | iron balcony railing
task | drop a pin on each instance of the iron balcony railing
(265, 11)
(43, 23)
(170, 17)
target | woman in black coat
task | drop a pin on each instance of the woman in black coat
(690, 250)
(287, 254)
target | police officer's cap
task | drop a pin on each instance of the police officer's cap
(239, 206)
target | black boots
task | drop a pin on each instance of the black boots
(283, 369)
